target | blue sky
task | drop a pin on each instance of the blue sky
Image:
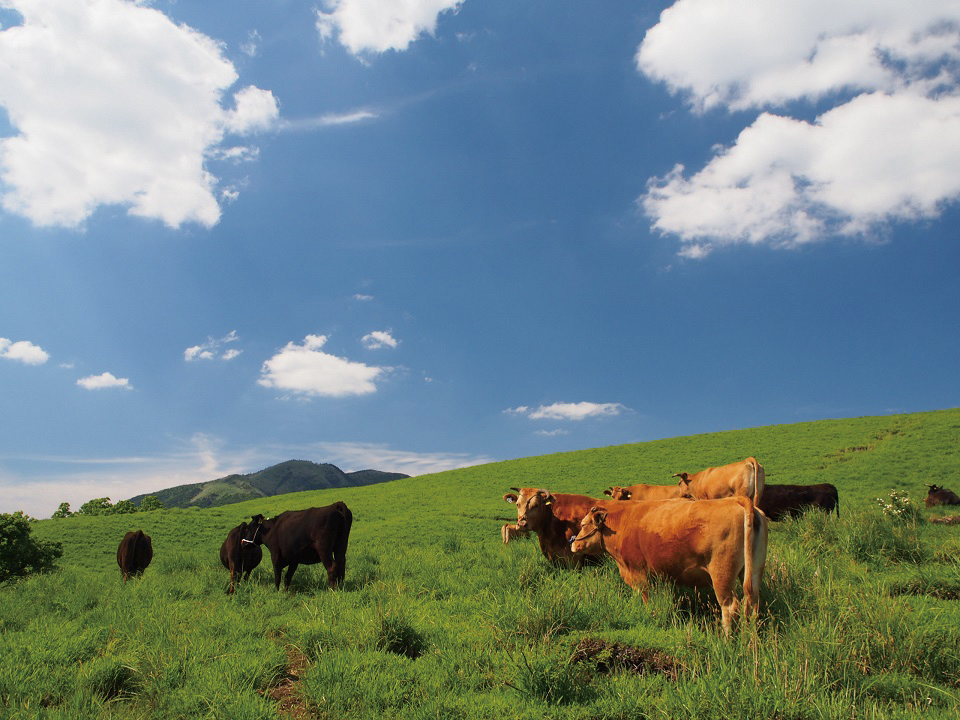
(423, 235)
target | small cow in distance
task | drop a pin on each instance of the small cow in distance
(134, 554)
(937, 495)
(780, 501)
(643, 492)
(240, 554)
(295, 537)
(512, 532)
(739, 478)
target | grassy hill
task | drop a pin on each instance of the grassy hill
(286, 477)
(859, 616)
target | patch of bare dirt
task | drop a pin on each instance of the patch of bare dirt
(948, 520)
(611, 657)
(286, 693)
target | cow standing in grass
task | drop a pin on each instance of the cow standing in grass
(134, 554)
(240, 554)
(554, 518)
(707, 543)
(744, 478)
(643, 492)
(295, 537)
(781, 501)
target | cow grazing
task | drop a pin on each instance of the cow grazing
(744, 478)
(937, 495)
(295, 537)
(134, 554)
(240, 554)
(702, 544)
(554, 518)
(780, 501)
(512, 532)
(643, 492)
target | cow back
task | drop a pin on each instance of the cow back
(745, 478)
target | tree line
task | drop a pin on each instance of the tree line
(103, 506)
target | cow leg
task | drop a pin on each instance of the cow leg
(277, 573)
(290, 571)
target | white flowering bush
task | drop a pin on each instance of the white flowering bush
(898, 506)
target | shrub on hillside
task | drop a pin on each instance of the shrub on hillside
(20, 554)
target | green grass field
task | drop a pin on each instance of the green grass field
(438, 619)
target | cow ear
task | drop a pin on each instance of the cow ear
(516, 490)
(599, 516)
(549, 498)
(510, 498)
(626, 495)
(608, 491)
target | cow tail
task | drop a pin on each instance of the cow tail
(749, 542)
(759, 480)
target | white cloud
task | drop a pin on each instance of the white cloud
(380, 25)
(104, 381)
(883, 151)
(569, 411)
(306, 370)
(211, 348)
(363, 298)
(114, 104)
(379, 339)
(328, 120)
(351, 457)
(23, 351)
(252, 46)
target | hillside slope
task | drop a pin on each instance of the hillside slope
(286, 477)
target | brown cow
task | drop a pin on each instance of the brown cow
(295, 537)
(701, 544)
(240, 554)
(511, 532)
(134, 554)
(740, 478)
(554, 518)
(643, 492)
(937, 495)
(780, 501)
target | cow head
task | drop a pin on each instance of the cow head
(684, 483)
(589, 541)
(618, 493)
(933, 489)
(533, 507)
(253, 533)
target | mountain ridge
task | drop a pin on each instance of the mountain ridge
(280, 479)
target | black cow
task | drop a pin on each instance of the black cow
(240, 554)
(306, 537)
(780, 501)
(940, 496)
(134, 554)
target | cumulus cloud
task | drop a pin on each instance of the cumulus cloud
(569, 411)
(104, 381)
(888, 74)
(114, 104)
(379, 339)
(379, 25)
(212, 349)
(306, 370)
(23, 351)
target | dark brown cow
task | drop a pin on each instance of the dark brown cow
(740, 478)
(554, 518)
(134, 554)
(937, 495)
(240, 554)
(703, 543)
(643, 492)
(295, 537)
(780, 501)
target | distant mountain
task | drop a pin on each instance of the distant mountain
(287, 477)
